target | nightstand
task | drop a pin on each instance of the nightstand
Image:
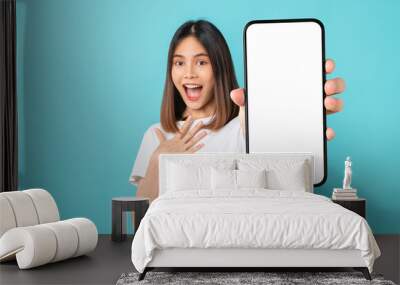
(358, 205)
(121, 205)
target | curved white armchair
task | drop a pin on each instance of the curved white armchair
(31, 230)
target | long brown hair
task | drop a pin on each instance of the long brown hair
(211, 38)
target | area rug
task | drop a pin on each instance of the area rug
(269, 278)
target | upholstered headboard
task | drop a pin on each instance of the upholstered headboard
(270, 160)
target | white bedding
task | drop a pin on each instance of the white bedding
(250, 218)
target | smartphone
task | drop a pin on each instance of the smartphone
(284, 64)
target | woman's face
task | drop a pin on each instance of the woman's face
(192, 75)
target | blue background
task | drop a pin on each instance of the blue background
(91, 75)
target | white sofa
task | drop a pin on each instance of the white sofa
(31, 231)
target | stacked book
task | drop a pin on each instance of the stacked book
(344, 194)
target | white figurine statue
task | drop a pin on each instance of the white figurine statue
(347, 174)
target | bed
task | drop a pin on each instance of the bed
(247, 210)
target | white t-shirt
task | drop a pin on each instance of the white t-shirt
(227, 139)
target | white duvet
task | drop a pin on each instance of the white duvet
(250, 218)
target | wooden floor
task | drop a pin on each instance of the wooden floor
(111, 259)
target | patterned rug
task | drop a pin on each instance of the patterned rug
(269, 278)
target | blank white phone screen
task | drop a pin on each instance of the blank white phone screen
(284, 85)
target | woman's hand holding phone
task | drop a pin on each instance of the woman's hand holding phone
(332, 105)
(185, 141)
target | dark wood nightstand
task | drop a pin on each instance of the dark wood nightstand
(121, 205)
(358, 205)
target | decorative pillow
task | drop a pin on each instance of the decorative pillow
(236, 179)
(282, 174)
(188, 175)
(223, 179)
(251, 178)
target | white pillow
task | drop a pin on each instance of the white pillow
(223, 179)
(251, 178)
(188, 175)
(289, 179)
(282, 174)
(182, 178)
(237, 179)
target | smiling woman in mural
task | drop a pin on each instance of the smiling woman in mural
(202, 108)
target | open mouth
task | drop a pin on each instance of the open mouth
(193, 91)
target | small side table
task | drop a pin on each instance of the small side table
(358, 205)
(121, 205)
